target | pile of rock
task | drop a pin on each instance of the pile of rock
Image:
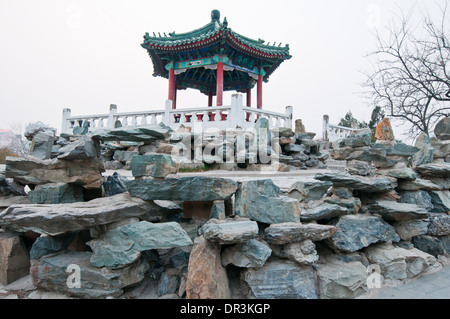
(210, 237)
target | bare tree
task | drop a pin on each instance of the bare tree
(16, 141)
(410, 79)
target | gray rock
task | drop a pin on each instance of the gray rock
(168, 284)
(51, 273)
(441, 201)
(45, 245)
(354, 140)
(441, 148)
(217, 210)
(419, 198)
(86, 173)
(14, 259)
(442, 129)
(84, 147)
(400, 173)
(280, 280)
(425, 155)
(115, 184)
(358, 183)
(251, 254)
(294, 148)
(122, 246)
(260, 201)
(338, 279)
(42, 144)
(229, 231)
(125, 156)
(407, 229)
(197, 188)
(393, 211)
(308, 189)
(439, 224)
(302, 252)
(283, 132)
(399, 149)
(434, 170)
(154, 165)
(398, 263)
(9, 187)
(324, 211)
(429, 244)
(366, 154)
(294, 232)
(358, 231)
(53, 219)
(417, 185)
(147, 134)
(58, 193)
(34, 128)
(360, 168)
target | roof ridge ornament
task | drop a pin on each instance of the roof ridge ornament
(215, 16)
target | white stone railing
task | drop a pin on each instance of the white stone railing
(220, 117)
(333, 132)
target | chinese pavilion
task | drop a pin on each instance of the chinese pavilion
(214, 59)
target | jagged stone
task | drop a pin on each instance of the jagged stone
(399, 149)
(393, 211)
(115, 184)
(53, 219)
(57, 193)
(207, 278)
(419, 198)
(294, 232)
(154, 165)
(260, 201)
(34, 128)
(442, 129)
(217, 210)
(302, 252)
(360, 168)
(230, 231)
(355, 232)
(439, 224)
(83, 148)
(86, 173)
(440, 201)
(338, 279)
(324, 211)
(434, 170)
(41, 146)
(52, 273)
(122, 246)
(9, 187)
(399, 263)
(429, 244)
(425, 155)
(125, 156)
(251, 254)
(308, 189)
(354, 140)
(146, 134)
(404, 173)
(417, 185)
(14, 259)
(280, 280)
(358, 183)
(197, 188)
(45, 245)
(407, 229)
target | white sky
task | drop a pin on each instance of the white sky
(86, 54)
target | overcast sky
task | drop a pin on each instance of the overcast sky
(86, 54)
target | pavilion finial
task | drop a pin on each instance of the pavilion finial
(215, 16)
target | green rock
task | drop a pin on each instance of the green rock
(358, 183)
(123, 245)
(57, 193)
(399, 149)
(308, 189)
(251, 254)
(147, 133)
(393, 211)
(441, 201)
(154, 165)
(197, 188)
(260, 201)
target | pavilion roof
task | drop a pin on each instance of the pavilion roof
(214, 38)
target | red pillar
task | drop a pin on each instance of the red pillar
(219, 99)
(172, 87)
(210, 99)
(175, 97)
(259, 92)
(249, 97)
